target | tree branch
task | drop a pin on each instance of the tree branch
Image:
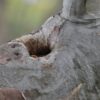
(49, 63)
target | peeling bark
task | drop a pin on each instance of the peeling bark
(58, 62)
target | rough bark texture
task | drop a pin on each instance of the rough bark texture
(60, 61)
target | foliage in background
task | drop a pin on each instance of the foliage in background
(22, 16)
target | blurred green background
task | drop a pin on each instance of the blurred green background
(19, 17)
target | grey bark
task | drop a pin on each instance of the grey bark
(60, 61)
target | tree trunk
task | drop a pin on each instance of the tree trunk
(58, 62)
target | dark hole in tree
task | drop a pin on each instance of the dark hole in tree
(40, 52)
(43, 51)
(37, 49)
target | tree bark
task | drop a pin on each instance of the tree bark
(58, 62)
